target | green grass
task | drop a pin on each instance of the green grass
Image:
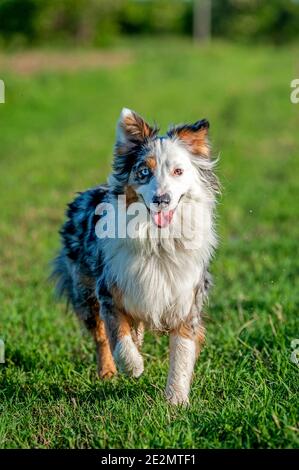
(57, 133)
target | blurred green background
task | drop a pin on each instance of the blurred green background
(101, 22)
(69, 67)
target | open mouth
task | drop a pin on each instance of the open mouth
(162, 218)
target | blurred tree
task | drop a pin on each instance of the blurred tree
(152, 16)
(91, 22)
(275, 21)
(98, 22)
(17, 19)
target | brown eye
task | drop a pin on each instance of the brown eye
(178, 172)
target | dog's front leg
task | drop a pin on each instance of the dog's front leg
(119, 328)
(185, 344)
(182, 360)
(125, 352)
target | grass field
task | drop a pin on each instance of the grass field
(57, 132)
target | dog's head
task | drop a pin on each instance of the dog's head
(160, 171)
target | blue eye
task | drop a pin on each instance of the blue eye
(143, 173)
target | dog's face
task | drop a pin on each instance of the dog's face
(158, 171)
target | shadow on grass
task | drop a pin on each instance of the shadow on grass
(65, 381)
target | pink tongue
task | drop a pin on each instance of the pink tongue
(162, 219)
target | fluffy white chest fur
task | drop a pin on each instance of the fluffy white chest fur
(156, 291)
(157, 279)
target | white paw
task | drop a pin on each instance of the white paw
(128, 358)
(177, 396)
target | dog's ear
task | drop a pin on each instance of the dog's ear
(194, 136)
(131, 131)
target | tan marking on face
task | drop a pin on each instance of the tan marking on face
(151, 163)
(131, 195)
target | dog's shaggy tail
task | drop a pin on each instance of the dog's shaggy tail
(61, 277)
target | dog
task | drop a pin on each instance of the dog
(156, 277)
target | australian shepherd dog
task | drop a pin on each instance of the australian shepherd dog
(135, 251)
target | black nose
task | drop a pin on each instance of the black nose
(162, 200)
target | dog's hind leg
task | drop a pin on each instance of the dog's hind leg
(79, 290)
(96, 326)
